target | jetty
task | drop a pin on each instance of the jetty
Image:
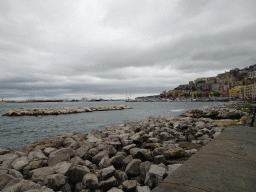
(62, 110)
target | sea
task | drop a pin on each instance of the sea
(23, 130)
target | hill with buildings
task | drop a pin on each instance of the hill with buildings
(236, 83)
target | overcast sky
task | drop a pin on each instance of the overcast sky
(66, 49)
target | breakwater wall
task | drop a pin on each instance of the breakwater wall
(63, 110)
(134, 156)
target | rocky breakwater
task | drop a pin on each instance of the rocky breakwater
(134, 156)
(63, 110)
(227, 110)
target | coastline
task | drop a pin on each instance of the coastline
(126, 156)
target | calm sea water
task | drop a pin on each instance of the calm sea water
(21, 131)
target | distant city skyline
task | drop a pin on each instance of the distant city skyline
(104, 48)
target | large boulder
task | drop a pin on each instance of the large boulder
(20, 163)
(90, 181)
(108, 184)
(19, 185)
(55, 182)
(154, 176)
(107, 172)
(5, 179)
(37, 155)
(77, 173)
(129, 185)
(38, 175)
(60, 155)
(133, 168)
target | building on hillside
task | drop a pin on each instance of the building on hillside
(215, 87)
(207, 87)
(249, 91)
(234, 92)
(251, 75)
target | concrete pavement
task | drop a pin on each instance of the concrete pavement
(227, 163)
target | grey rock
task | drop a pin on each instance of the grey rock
(154, 140)
(129, 185)
(108, 184)
(37, 155)
(142, 189)
(15, 173)
(34, 165)
(134, 151)
(62, 167)
(20, 163)
(136, 138)
(159, 159)
(133, 168)
(144, 168)
(97, 158)
(90, 181)
(118, 161)
(107, 172)
(127, 148)
(7, 159)
(77, 173)
(60, 155)
(120, 177)
(114, 189)
(77, 161)
(79, 187)
(68, 141)
(3, 151)
(65, 188)
(127, 160)
(144, 155)
(55, 182)
(5, 179)
(105, 162)
(48, 150)
(40, 173)
(19, 185)
(154, 176)
(83, 150)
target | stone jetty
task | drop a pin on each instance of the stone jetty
(129, 157)
(63, 110)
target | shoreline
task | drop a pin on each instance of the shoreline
(125, 156)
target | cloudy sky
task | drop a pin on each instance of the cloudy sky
(66, 49)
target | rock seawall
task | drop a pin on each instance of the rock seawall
(63, 110)
(134, 156)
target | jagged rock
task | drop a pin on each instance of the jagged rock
(133, 151)
(60, 155)
(129, 185)
(172, 168)
(18, 185)
(143, 154)
(62, 167)
(76, 173)
(7, 159)
(127, 148)
(144, 168)
(79, 187)
(20, 163)
(105, 162)
(159, 159)
(154, 176)
(15, 173)
(118, 161)
(44, 189)
(97, 158)
(55, 182)
(83, 150)
(107, 172)
(68, 141)
(136, 138)
(114, 189)
(90, 181)
(120, 177)
(153, 140)
(77, 161)
(152, 146)
(109, 183)
(48, 150)
(40, 173)
(5, 179)
(133, 168)
(37, 155)
(3, 151)
(142, 189)
(91, 153)
(127, 160)
(66, 188)
(34, 165)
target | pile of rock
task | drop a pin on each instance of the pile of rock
(221, 111)
(63, 110)
(134, 156)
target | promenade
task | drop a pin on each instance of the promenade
(227, 163)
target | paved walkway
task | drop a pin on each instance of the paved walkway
(227, 163)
